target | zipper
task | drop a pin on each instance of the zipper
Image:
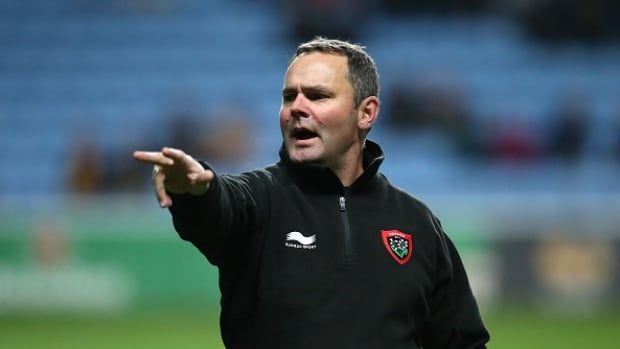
(348, 246)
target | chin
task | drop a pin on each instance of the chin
(303, 155)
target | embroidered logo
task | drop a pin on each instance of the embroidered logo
(398, 244)
(296, 239)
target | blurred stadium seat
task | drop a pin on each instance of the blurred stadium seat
(70, 65)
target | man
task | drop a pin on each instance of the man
(320, 250)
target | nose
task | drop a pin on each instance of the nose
(299, 107)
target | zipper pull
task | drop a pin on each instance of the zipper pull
(342, 204)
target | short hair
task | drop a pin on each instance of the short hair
(363, 74)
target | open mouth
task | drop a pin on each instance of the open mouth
(303, 134)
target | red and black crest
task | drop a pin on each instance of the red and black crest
(398, 244)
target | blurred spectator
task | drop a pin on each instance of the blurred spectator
(514, 140)
(570, 129)
(451, 109)
(616, 135)
(569, 20)
(437, 105)
(424, 101)
(122, 176)
(228, 140)
(86, 171)
(464, 133)
(181, 130)
(407, 108)
(331, 18)
(184, 131)
(220, 136)
(400, 7)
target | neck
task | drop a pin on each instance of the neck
(350, 168)
(347, 177)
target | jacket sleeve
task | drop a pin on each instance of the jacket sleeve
(220, 222)
(455, 320)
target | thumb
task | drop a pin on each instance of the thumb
(200, 181)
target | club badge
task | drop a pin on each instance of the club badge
(398, 244)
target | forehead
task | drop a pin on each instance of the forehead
(317, 68)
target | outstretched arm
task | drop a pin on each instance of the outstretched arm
(176, 172)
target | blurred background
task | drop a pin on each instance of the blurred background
(503, 116)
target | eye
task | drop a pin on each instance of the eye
(315, 96)
(289, 97)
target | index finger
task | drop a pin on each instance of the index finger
(153, 157)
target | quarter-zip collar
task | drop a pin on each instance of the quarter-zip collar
(319, 177)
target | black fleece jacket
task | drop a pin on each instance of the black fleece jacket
(307, 263)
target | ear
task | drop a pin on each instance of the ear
(367, 113)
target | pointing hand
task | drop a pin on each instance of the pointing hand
(176, 172)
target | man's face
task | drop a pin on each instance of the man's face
(318, 117)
